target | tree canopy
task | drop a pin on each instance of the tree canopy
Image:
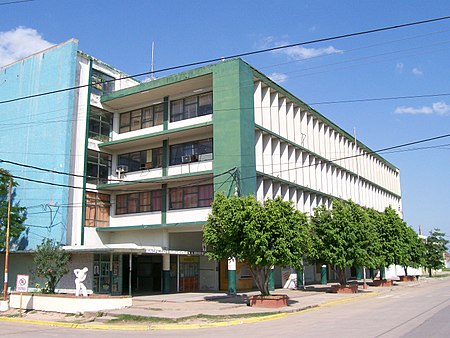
(260, 234)
(343, 236)
(17, 213)
(435, 245)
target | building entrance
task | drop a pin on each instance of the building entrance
(189, 273)
(145, 275)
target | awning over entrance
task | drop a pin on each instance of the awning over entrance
(127, 248)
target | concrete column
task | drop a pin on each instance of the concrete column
(358, 273)
(300, 278)
(166, 274)
(323, 274)
(130, 264)
(271, 280)
(231, 276)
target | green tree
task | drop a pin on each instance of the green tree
(343, 237)
(414, 255)
(51, 263)
(391, 232)
(435, 245)
(17, 214)
(260, 234)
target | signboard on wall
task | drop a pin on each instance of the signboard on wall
(22, 283)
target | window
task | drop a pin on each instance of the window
(191, 152)
(100, 124)
(190, 107)
(97, 210)
(139, 202)
(141, 160)
(191, 197)
(142, 118)
(98, 167)
(101, 83)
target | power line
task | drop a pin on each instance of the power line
(265, 50)
(14, 2)
(386, 98)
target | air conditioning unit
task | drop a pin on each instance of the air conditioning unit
(120, 170)
(205, 157)
(186, 159)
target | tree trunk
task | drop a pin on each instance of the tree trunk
(429, 272)
(406, 270)
(342, 279)
(261, 275)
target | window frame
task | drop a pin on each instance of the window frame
(153, 204)
(192, 148)
(97, 201)
(185, 194)
(104, 119)
(155, 161)
(157, 118)
(184, 112)
(98, 86)
(102, 161)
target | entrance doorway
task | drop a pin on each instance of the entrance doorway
(145, 275)
(189, 273)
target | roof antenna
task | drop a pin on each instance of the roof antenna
(152, 69)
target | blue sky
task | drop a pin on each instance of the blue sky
(402, 62)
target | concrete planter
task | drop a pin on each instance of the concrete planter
(383, 282)
(271, 301)
(407, 278)
(344, 289)
(66, 303)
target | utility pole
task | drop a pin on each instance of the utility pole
(5, 283)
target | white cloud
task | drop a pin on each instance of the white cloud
(399, 67)
(439, 108)
(417, 71)
(296, 52)
(19, 43)
(302, 53)
(278, 77)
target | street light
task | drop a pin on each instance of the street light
(5, 283)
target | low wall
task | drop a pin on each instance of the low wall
(68, 303)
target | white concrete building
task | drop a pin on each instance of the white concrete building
(149, 158)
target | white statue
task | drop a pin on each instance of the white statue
(81, 276)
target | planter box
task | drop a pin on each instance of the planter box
(344, 289)
(271, 301)
(68, 303)
(383, 282)
(407, 278)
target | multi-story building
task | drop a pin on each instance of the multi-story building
(149, 158)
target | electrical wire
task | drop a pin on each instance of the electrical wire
(14, 2)
(265, 50)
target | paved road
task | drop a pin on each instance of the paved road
(416, 311)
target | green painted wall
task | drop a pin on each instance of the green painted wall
(234, 128)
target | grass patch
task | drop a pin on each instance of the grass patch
(439, 276)
(13, 315)
(207, 318)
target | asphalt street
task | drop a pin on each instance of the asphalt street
(419, 310)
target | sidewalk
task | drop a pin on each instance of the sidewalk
(176, 306)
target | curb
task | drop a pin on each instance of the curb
(188, 326)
